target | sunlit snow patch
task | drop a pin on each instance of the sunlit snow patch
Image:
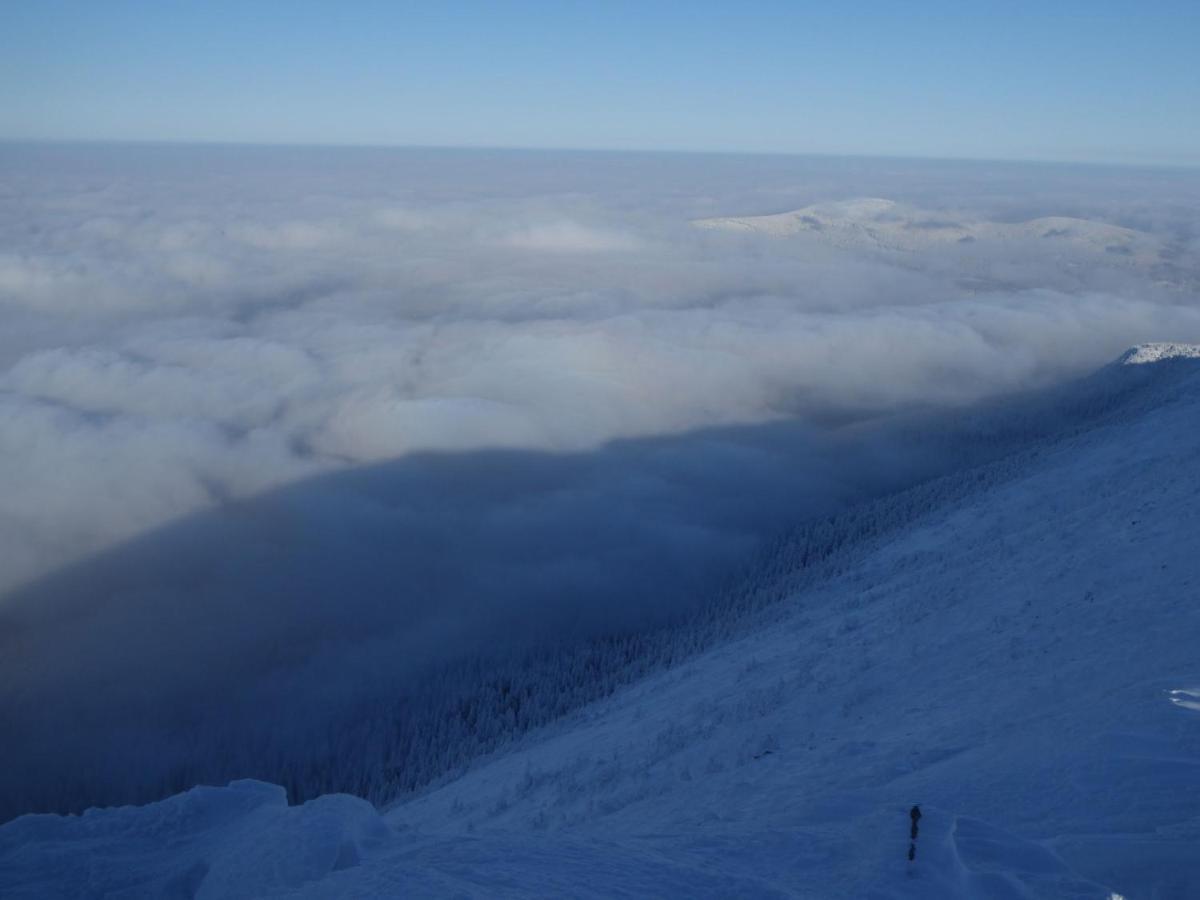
(1152, 353)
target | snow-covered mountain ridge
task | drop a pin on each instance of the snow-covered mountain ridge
(975, 247)
(1158, 352)
(1016, 654)
(887, 225)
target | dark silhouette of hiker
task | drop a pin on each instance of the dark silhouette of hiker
(915, 815)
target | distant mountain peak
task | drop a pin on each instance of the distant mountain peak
(878, 226)
(1157, 352)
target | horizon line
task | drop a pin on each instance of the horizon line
(632, 151)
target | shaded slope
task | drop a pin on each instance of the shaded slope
(374, 631)
(1018, 659)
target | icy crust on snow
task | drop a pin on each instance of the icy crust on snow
(1158, 352)
(237, 841)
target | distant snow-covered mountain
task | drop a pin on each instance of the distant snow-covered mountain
(884, 226)
(1012, 647)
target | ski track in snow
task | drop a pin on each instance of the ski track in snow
(1021, 662)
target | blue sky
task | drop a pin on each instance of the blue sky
(1103, 81)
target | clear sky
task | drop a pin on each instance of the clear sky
(1056, 79)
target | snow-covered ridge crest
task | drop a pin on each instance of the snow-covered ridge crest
(877, 225)
(1158, 352)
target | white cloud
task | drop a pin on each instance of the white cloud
(492, 385)
(568, 237)
(346, 325)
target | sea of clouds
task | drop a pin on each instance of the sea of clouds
(260, 407)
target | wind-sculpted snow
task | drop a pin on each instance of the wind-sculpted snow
(241, 841)
(302, 449)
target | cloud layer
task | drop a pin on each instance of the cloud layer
(186, 329)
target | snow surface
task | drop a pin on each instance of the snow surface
(238, 841)
(1020, 660)
(1152, 353)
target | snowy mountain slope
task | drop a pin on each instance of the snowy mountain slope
(1020, 660)
(117, 689)
(885, 227)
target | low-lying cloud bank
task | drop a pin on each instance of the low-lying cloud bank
(470, 333)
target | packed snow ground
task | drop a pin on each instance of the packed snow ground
(1020, 661)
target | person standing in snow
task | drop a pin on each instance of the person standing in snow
(915, 815)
